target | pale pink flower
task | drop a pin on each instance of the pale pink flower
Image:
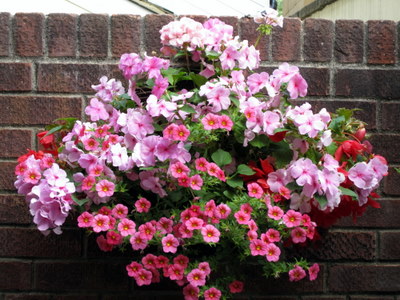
(126, 227)
(100, 223)
(212, 294)
(255, 190)
(105, 188)
(277, 179)
(184, 181)
(236, 286)
(297, 86)
(85, 220)
(228, 58)
(194, 223)
(313, 271)
(96, 110)
(32, 176)
(292, 218)
(210, 234)
(297, 273)
(169, 243)
(142, 205)
(196, 277)
(218, 97)
(272, 252)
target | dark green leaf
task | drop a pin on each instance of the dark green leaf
(80, 202)
(198, 79)
(235, 182)
(234, 100)
(282, 153)
(321, 200)
(260, 141)
(221, 157)
(212, 54)
(54, 129)
(348, 192)
(346, 113)
(337, 123)
(188, 109)
(245, 170)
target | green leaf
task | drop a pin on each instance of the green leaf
(348, 192)
(221, 157)
(188, 109)
(80, 202)
(321, 200)
(260, 141)
(235, 182)
(228, 194)
(397, 170)
(54, 129)
(282, 153)
(212, 54)
(346, 113)
(245, 170)
(280, 130)
(198, 79)
(234, 100)
(337, 123)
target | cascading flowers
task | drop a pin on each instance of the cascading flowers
(202, 166)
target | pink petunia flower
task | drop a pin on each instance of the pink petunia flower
(236, 286)
(147, 231)
(120, 211)
(196, 277)
(169, 243)
(180, 133)
(222, 211)
(297, 273)
(273, 235)
(241, 217)
(100, 223)
(210, 121)
(292, 218)
(105, 188)
(194, 223)
(258, 247)
(113, 238)
(178, 169)
(142, 205)
(255, 190)
(212, 294)
(175, 272)
(225, 122)
(299, 235)
(275, 212)
(126, 227)
(313, 271)
(133, 268)
(85, 220)
(196, 182)
(210, 234)
(181, 260)
(272, 252)
(205, 267)
(137, 242)
(191, 292)
(201, 164)
(162, 261)
(149, 261)
(143, 277)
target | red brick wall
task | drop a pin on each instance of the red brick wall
(47, 65)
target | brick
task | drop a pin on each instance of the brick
(270, 298)
(384, 217)
(321, 297)
(5, 34)
(368, 83)
(7, 176)
(15, 77)
(381, 47)
(391, 183)
(343, 245)
(317, 80)
(80, 276)
(390, 246)
(349, 41)
(15, 276)
(29, 34)
(78, 297)
(70, 78)
(125, 34)
(286, 41)
(367, 112)
(152, 26)
(27, 242)
(61, 35)
(364, 278)
(248, 31)
(14, 210)
(387, 146)
(14, 142)
(318, 40)
(93, 35)
(37, 110)
(390, 113)
(27, 297)
(371, 297)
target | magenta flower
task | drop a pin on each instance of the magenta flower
(133, 268)
(241, 217)
(225, 122)
(178, 169)
(196, 182)
(255, 190)
(210, 234)
(105, 188)
(147, 231)
(258, 247)
(169, 243)
(297, 273)
(113, 238)
(236, 286)
(191, 292)
(180, 133)
(275, 212)
(272, 252)
(100, 223)
(137, 242)
(212, 294)
(299, 235)
(194, 223)
(210, 121)
(292, 218)
(126, 227)
(142, 205)
(143, 277)
(313, 271)
(149, 261)
(120, 211)
(196, 277)
(85, 220)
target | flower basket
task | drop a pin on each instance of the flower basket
(202, 165)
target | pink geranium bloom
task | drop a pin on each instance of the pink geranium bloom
(292, 218)
(210, 121)
(297, 273)
(212, 294)
(142, 205)
(313, 271)
(196, 277)
(191, 292)
(126, 227)
(143, 277)
(113, 238)
(100, 223)
(196, 182)
(201, 164)
(105, 188)
(120, 211)
(137, 242)
(149, 261)
(272, 252)
(299, 235)
(96, 110)
(133, 268)
(241, 217)
(178, 169)
(210, 234)
(169, 243)
(194, 223)
(181, 133)
(275, 212)
(258, 247)
(297, 86)
(85, 220)
(255, 190)
(236, 286)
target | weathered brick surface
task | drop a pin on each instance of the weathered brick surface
(349, 41)
(15, 77)
(390, 113)
(5, 34)
(286, 41)
(78, 276)
(381, 42)
(381, 297)
(27, 297)
(14, 210)
(387, 145)
(317, 80)
(318, 40)
(29, 34)
(93, 35)
(368, 83)
(364, 278)
(125, 34)
(15, 276)
(70, 78)
(14, 142)
(7, 175)
(321, 297)
(37, 110)
(29, 242)
(61, 35)
(153, 24)
(390, 185)
(248, 32)
(390, 246)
